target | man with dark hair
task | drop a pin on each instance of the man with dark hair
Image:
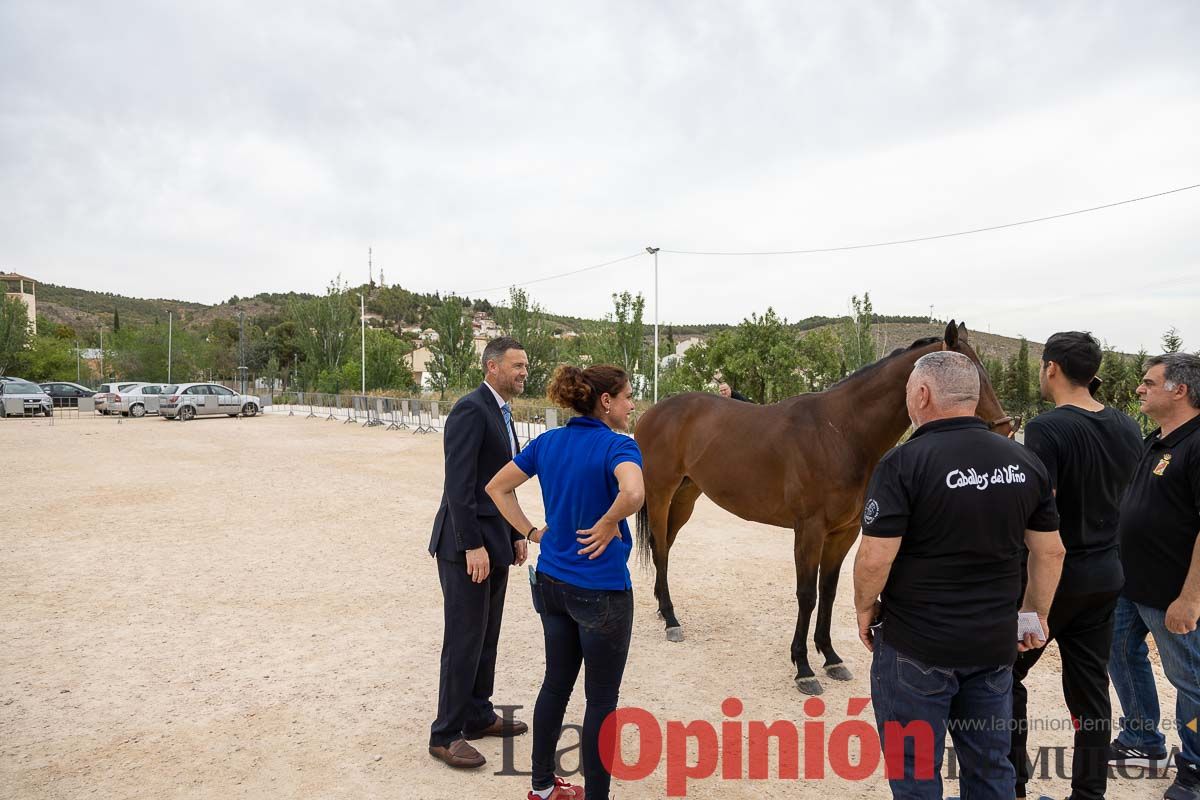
(1089, 452)
(474, 548)
(1160, 551)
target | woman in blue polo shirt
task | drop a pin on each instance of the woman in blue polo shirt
(591, 478)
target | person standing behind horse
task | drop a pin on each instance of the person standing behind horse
(474, 547)
(942, 531)
(1089, 452)
(591, 479)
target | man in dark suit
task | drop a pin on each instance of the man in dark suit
(474, 548)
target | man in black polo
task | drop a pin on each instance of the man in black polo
(945, 518)
(1160, 551)
(1089, 452)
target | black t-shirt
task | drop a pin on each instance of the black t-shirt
(1089, 456)
(1160, 517)
(962, 498)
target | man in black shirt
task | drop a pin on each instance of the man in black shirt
(1160, 551)
(1089, 452)
(943, 525)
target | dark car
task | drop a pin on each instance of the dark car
(30, 396)
(65, 394)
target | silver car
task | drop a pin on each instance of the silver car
(32, 399)
(105, 391)
(136, 400)
(190, 400)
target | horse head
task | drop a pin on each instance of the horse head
(989, 408)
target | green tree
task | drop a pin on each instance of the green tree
(624, 344)
(324, 330)
(14, 333)
(116, 320)
(385, 361)
(760, 357)
(819, 360)
(1018, 388)
(1172, 342)
(526, 322)
(858, 346)
(453, 365)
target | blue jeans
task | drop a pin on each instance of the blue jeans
(1133, 679)
(973, 703)
(591, 627)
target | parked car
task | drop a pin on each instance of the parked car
(190, 400)
(66, 394)
(33, 399)
(105, 392)
(131, 401)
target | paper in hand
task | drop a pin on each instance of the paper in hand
(1028, 622)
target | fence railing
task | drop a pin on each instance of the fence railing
(415, 414)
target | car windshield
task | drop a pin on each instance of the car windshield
(21, 387)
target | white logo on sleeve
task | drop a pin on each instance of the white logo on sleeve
(871, 512)
(957, 479)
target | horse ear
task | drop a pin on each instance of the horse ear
(951, 337)
(962, 331)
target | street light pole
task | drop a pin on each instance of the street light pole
(170, 331)
(654, 252)
(362, 317)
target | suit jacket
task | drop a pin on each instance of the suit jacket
(476, 447)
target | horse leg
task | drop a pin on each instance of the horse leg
(659, 494)
(809, 536)
(679, 512)
(833, 553)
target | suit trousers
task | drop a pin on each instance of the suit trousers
(473, 612)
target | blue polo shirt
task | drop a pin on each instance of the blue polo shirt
(574, 465)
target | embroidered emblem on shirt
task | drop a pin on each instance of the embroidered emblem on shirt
(1162, 465)
(871, 512)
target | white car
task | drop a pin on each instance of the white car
(190, 400)
(136, 400)
(105, 392)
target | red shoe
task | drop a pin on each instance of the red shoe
(562, 791)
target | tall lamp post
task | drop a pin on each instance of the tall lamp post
(362, 318)
(170, 331)
(654, 252)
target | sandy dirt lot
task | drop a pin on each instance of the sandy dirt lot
(227, 609)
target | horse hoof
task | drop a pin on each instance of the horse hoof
(838, 672)
(675, 634)
(809, 686)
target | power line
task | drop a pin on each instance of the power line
(557, 275)
(930, 238)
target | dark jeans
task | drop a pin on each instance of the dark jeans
(1134, 680)
(582, 626)
(472, 616)
(1082, 625)
(973, 703)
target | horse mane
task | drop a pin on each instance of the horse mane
(874, 365)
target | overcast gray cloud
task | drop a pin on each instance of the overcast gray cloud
(204, 150)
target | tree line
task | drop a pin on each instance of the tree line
(312, 343)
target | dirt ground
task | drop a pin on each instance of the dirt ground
(245, 608)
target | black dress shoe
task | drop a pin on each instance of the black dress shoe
(500, 727)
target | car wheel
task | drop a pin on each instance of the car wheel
(249, 409)
(48, 411)
(137, 410)
(186, 413)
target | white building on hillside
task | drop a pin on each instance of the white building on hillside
(24, 289)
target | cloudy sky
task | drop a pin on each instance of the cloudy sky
(202, 150)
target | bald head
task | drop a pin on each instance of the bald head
(942, 384)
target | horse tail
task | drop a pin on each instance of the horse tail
(645, 537)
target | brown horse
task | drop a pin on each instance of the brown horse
(802, 463)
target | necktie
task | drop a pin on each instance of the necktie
(507, 412)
